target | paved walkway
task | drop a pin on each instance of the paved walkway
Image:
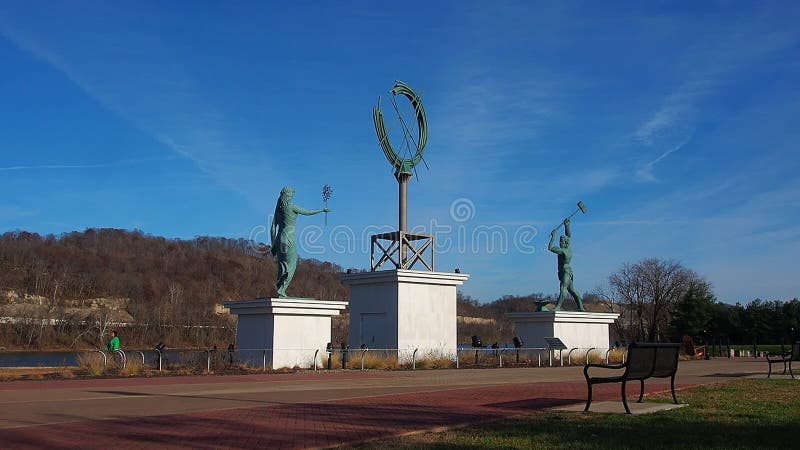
(304, 410)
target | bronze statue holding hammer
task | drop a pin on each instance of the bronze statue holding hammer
(564, 252)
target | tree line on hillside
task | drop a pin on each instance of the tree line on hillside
(661, 300)
(169, 289)
(658, 300)
(501, 330)
(171, 286)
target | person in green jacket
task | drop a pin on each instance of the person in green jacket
(113, 344)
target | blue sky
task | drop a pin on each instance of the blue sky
(676, 123)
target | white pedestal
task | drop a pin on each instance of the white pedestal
(575, 329)
(404, 310)
(291, 330)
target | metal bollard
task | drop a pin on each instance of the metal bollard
(105, 359)
(329, 349)
(122, 356)
(345, 355)
(569, 357)
(363, 354)
(208, 353)
(159, 348)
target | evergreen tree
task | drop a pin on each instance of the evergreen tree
(693, 313)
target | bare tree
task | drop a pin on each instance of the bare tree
(645, 294)
(102, 319)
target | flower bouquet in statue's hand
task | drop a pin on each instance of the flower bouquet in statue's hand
(327, 193)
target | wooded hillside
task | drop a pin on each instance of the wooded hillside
(163, 283)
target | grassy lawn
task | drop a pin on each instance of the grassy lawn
(748, 413)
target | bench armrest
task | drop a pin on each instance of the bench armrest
(607, 366)
(603, 366)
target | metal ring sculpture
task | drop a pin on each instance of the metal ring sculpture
(402, 165)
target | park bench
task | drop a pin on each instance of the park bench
(785, 357)
(645, 360)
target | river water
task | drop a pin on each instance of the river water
(70, 359)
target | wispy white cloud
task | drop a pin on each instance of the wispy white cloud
(486, 112)
(125, 162)
(707, 69)
(781, 234)
(674, 118)
(137, 77)
(484, 121)
(671, 127)
(10, 212)
(51, 167)
(582, 182)
(636, 222)
(645, 172)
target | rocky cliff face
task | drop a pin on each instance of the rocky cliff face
(15, 306)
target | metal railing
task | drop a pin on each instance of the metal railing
(212, 359)
(530, 356)
(521, 356)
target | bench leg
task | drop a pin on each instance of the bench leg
(790, 370)
(784, 368)
(589, 400)
(672, 386)
(769, 372)
(641, 391)
(625, 400)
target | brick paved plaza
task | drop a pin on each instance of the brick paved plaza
(302, 410)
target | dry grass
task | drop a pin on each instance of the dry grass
(16, 373)
(389, 361)
(92, 364)
(616, 356)
(436, 362)
(133, 368)
(371, 360)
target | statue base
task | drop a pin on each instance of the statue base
(576, 329)
(404, 310)
(283, 332)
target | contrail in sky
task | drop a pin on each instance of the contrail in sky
(124, 162)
